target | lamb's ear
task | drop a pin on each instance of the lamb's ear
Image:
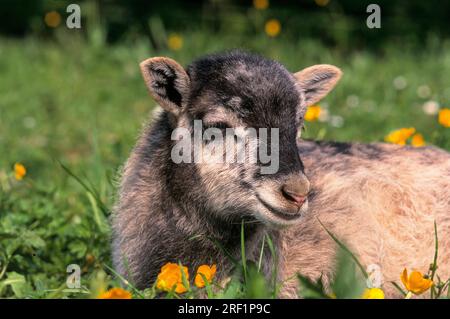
(167, 82)
(317, 80)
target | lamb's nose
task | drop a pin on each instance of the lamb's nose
(293, 197)
(296, 189)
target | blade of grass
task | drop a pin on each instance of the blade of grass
(209, 291)
(56, 293)
(436, 250)
(398, 288)
(195, 237)
(434, 265)
(126, 282)
(224, 250)
(344, 247)
(184, 279)
(126, 266)
(261, 253)
(172, 294)
(91, 186)
(275, 264)
(101, 205)
(97, 216)
(244, 260)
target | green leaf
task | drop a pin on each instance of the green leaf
(309, 289)
(256, 284)
(33, 240)
(4, 236)
(98, 284)
(78, 248)
(17, 283)
(347, 284)
(233, 289)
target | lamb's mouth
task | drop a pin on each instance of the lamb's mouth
(279, 213)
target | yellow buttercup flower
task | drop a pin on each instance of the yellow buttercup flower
(400, 136)
(373, 293)
(418, 140)
(273, 27)
(52, 19)
(115, 293)
(415, 282)
(19, 171)
(208, 272)
(90, 259)
(171, 278)
(175, 42)
(261, 4)
(312, 113)
(322, 3)
(444, 117)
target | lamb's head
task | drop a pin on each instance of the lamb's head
(257, 172)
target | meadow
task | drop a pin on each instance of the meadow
(71, 109)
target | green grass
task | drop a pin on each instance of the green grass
(82, 104)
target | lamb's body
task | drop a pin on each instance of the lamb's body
(380, 199)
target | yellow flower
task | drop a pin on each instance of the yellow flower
(208, 272)
(415, 282)
(19, 171)
(373, 293)
(322, 3)
(312, 113)
(444, 117)
(400, 136)
(52, 19)
(261, 4)
(417, 140)
(273, 27)
(171, 277)
(90, 259)
(175, 42)
(115, 293)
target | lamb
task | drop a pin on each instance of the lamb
(381, 199)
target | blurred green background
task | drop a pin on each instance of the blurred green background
(76, 97)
